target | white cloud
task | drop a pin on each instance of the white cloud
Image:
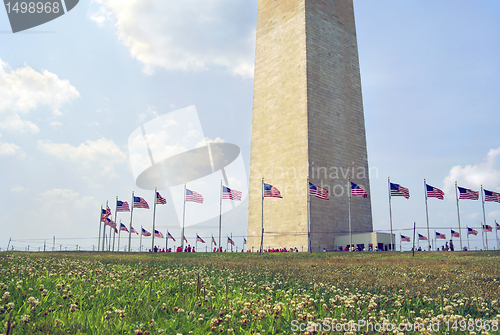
(60, 195)
(101, 16)
(208, 140)
(10, 149)
(149, 114)
(25, 89)
(494, 214)
(102, 153)
(62, 210)
(185, 35)
(473, 176)
(18, 189)
(55, 124)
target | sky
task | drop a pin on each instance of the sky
(74, 90)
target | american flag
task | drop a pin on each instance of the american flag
(465, 193)
(230, 241)
(498, 225)
(271, 191)
(170, 236)
(439, 235)
(103, 215)
(123, 227)
(399, 191)
(199, 239)
(110, 223)
(488, 228)
(185, 239)
(405, 238)
(213, 241)
(491, 196)
(122, 206)
(145, 232)
(318, 192)
(244, 241)
(434, 192)
(193, 196)
(455, 233)
(158, 234)
(358, 190)
(422, 237)
(134, 231)
(108, 211)
(160, 200)
(471, 231)
(140, 203)
(230, 194)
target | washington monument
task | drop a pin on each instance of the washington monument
(308, 123)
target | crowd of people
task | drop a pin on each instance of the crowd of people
(189, 248)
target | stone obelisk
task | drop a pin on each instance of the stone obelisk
(308, 123)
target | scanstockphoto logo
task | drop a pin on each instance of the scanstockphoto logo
(28, 14)
(172, 150)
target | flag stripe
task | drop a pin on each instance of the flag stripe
(160, 200)
(140, 203)
(399, 191)
(318, 192)
(122, 206)
(434, 192)
(465, 193)
(271, 191)
(193, 196)
(230, 194)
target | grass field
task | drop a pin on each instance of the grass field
(240, 293)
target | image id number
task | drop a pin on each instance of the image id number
(33, 7)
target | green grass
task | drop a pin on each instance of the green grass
(241, 293)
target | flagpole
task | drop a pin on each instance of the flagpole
(350, 230)
(400, 243)
(100, 223)
(390, 209)
(486, 236)
(154, 216)
(196, 242)
(183, 217)
(414, 228)
(458, 212)
(119, 232)
(262, 218)
(309, 248)
(435, 241)
(220, 212)
(451, 234)
(482, 233)
(484, 217)
(116, 212)
(468, 243)
(427, 216)
(227, 243)
(140, 239)
(232, 241)
(496, 234)
(166, 242)
(130, 228)
(104, 230)
(109, 239)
